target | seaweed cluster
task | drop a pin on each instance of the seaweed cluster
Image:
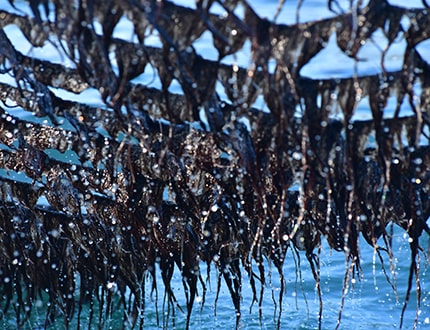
(149, 179)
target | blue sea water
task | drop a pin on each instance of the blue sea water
(370, 302)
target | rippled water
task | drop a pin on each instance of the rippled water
(371, 303)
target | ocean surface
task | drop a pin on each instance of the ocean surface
(370, 301)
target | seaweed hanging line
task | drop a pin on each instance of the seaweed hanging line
(159, 180)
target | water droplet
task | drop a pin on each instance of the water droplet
(297, 155)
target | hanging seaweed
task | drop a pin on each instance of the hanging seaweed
(149, 182)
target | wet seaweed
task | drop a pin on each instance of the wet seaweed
(150, 181)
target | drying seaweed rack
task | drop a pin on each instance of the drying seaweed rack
(151, 178)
